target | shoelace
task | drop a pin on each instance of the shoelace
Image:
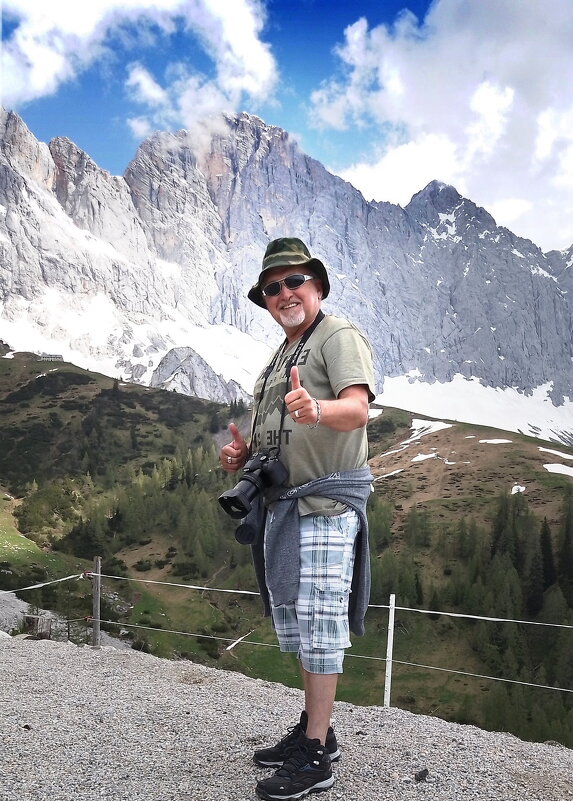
(297, 755)
(292, 735)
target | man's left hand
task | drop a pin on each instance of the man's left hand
(300, 405)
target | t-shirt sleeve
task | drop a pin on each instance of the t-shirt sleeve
(348, 358)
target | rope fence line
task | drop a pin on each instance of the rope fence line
(88, 574)
(232, 640)
(370, 606)
(243, 640)
(473, 617)
(389, 661)
(85, 574)
(480, 676)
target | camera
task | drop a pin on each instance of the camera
(262, 470)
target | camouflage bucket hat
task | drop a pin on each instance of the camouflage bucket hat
(288, 252)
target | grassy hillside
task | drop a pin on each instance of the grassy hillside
(129, 473)
(59, 420)
(463, 469)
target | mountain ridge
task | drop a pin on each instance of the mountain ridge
(117, 272)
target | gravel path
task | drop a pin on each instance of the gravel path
(85, 724)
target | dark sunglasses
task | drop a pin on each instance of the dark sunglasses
(291, 282)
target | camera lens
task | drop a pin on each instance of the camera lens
(235, 505)
(237, 502)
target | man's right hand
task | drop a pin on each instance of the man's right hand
(234, 455)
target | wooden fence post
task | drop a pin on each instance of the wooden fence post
(389, 650)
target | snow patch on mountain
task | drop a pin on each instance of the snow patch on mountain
(470, 401)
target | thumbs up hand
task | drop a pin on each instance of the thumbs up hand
(295, 378)
(234, 455)
(300, 405)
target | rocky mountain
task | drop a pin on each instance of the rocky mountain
(145, 275)
(183, 370)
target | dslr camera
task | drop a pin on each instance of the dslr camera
(262, 470)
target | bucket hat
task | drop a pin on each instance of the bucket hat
(288, 252)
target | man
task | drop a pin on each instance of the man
(310, 410)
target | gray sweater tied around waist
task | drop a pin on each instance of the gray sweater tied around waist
(276, 553)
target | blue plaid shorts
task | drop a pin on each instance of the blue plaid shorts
(315, 626)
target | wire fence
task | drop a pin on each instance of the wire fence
(95, 621)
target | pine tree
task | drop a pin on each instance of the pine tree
(426, 529)
(412, 527)
(379, 524)
(554, 611)
(419, 591)
(377, 588)
(549, 570)
(461, 534)
(564, 656)
(496, 709)
(500, 523)
(566, 548)
(504, 539)
(533, 583)
(388, 573)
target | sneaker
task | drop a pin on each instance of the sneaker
(306, 769)
(276, 754)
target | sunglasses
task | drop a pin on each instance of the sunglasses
(291, 282)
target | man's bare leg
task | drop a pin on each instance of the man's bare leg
(319, 694)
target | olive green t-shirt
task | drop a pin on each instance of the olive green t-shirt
(335, 356)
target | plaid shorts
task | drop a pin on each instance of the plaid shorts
(316, 625)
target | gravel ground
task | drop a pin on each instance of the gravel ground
(86, 724)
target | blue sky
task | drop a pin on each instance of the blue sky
(390, 95)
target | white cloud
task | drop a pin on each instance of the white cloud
(491, 105)
(509, 209)
(479, 91)
(54, 43)
(140, 127)
(145, 87)
(244, 63)
(405, 168)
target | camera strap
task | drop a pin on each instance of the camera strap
(291, 362)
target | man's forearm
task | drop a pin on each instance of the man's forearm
(347, 412)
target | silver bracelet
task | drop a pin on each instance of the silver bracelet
(314, 425)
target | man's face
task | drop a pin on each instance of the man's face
(293, 309)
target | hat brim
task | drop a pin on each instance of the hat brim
(314, 265)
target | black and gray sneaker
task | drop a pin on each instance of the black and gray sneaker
(276, 754)
(307, 769)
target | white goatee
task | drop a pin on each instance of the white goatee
(291, 318)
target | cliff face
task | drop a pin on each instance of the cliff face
(115, 272)
(438, 286)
